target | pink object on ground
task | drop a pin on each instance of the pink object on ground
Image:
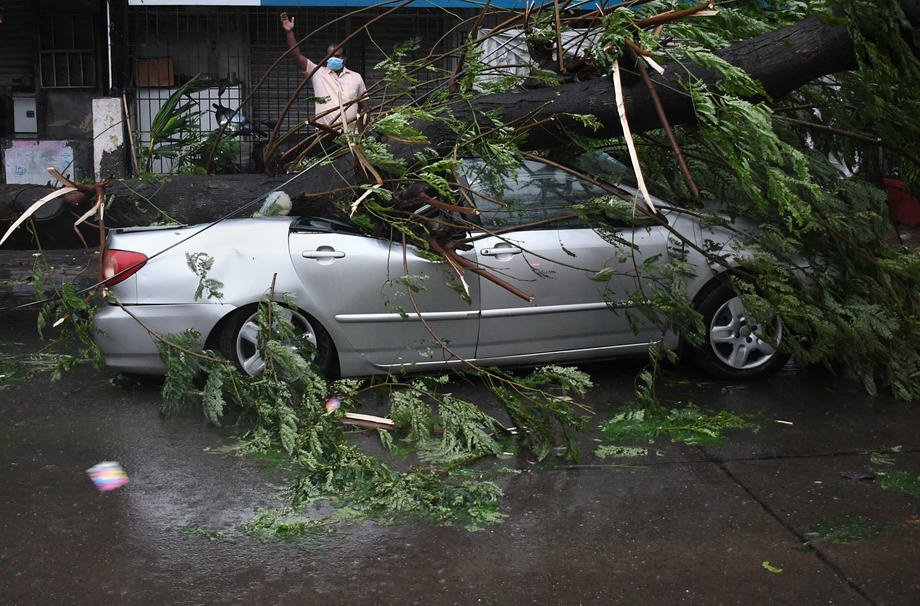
(332, 404)
(107, 475)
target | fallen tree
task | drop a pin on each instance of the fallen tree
(858, 311)
(765, 155)
(781, 61)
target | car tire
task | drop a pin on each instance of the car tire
(239, 340)
(734, 347)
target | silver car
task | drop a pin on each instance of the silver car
(371, 306)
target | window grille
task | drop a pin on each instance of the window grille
(235, 53)
(68, 51)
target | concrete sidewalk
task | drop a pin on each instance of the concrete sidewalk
(700, 525)
(817, 463)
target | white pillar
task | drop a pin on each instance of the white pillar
(108, 138)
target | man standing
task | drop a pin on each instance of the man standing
(338, 89)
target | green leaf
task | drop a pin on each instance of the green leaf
(770, 568)
(603, 275)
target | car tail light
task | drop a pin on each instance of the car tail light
(119, 265)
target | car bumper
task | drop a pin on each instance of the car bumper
(129, 347)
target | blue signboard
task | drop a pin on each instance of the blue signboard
(519, 4)
(514, 4)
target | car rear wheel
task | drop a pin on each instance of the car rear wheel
(239, 340)
(737, 345)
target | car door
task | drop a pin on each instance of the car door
(380, 301)
(534, 241)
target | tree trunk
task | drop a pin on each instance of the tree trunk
(53, 220)
(187, 199)
(197, 198)
(782, 61)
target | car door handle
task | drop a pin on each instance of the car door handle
(323, 253)
(500, 250)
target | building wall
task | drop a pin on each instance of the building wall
(234, 50)
(52, 55)
(17, 69)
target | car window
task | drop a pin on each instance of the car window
(324, 224)
(536, 192)
(604, 167)
(532, 192)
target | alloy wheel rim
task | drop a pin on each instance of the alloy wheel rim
(247, 340)
(737, 339)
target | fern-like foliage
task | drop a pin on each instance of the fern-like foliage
(541, 407)
(285, 411)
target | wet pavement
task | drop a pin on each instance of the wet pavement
(683, 524)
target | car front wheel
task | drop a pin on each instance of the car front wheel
(737, 345)
(239, 340)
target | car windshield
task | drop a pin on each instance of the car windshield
(605, 167)
(535, 192)
(531, 192)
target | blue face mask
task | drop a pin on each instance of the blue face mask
(335, 63)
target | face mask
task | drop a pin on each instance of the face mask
(335, 63)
